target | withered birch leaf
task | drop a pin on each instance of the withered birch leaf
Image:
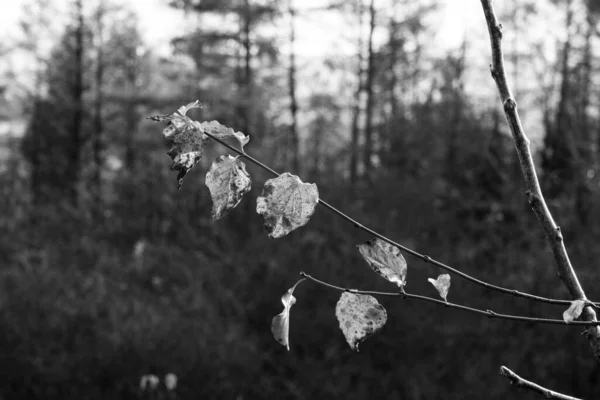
(574, 311)
(187, 140)
(286, 203)
(442, 284)
(184, 109)
(227, 181)
(280, 326)
(385, 259)
(360, 317)
(224, 132)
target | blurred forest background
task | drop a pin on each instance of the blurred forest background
(108, 273)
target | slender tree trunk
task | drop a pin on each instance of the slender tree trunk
(457, 113)
(368, 150)
(393, 118)
(98, 123)
(356, 112)
(560, 155)
(565, 85)
(515, 48)
(585, 149)
(247, 84)
(36, 153)
(77, 94)
(131, 121)
(317, 152)
(295, 142)
(131, 116)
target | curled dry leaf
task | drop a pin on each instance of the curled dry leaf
(574, 311)
(280, 326)
(442, 284)
(286, 203)
(385, 259)
(360, 317)
(227, 181)
(224, 132)
(184, 109)
(187, 140)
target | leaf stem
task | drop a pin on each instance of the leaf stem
(487, 313)
(414, 253)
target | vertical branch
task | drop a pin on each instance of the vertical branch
(534, 192)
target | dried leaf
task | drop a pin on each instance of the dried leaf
(227, 181)
(286, 203)
(224, 132)
(161, 118)
(280, 326)
(385, 259)
(184, 109)
(360, 317)
(442, 284)
(574, 311)
(187, 139)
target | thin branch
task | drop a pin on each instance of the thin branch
(520, 382)
(534, 192)
(487, 313)
(414, 253)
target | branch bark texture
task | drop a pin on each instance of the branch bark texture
(534, 192)
(520, 382)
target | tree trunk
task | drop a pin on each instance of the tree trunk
(393, 118)
(98, 123)
(77, 93)
(131, 116)
(586, 143)
(585, 148)
(295, 142)
(355, 133)
(247, 84)
(515, 48)
(560, 154)
(457, 111)
(368, 150)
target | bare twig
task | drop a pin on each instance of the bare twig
(487, 313)
(520, 382)
(534, 192)
(414, 253)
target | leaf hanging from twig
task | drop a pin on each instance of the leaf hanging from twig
(224, 132)
(280, 326)
(574, 311)
(227, 181)
(385, 259)
(186, 138)
(360, 317)
(442, 284)
(286, 203)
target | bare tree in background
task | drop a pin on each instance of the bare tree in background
(295, 141)
(77, 139)
(369, 82)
